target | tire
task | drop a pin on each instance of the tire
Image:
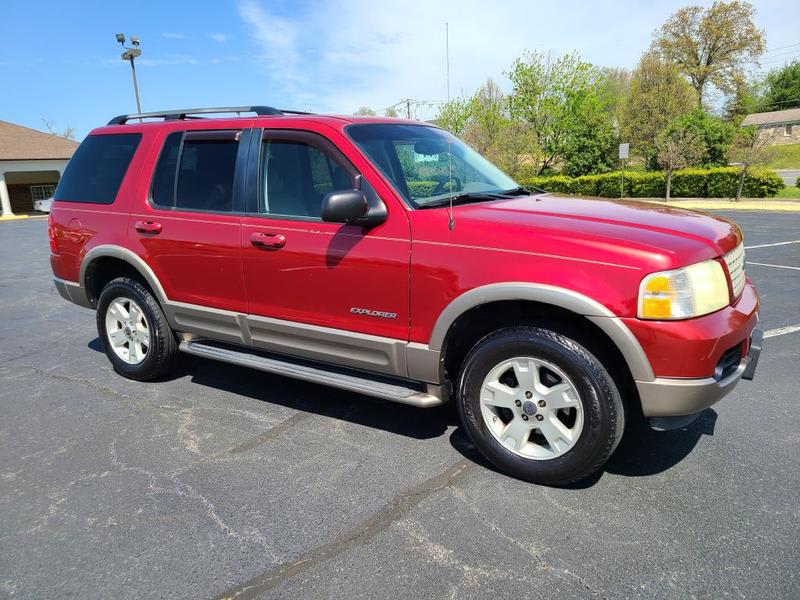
(591, 419)
(142, 361)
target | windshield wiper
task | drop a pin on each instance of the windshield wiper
(463, 199)
(520, 191)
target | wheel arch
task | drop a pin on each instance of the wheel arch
(102, 261)
(509, 302)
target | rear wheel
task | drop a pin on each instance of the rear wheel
(539, 406)
(133, 330)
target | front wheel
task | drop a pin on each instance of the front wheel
(539, 406)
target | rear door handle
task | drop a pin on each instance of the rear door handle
(148, 227)
(268, 241)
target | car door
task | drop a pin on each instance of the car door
(188, 231)
(327, 291)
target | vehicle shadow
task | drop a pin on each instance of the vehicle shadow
(409, 421)
(641, 452)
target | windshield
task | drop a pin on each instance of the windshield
(419, 161)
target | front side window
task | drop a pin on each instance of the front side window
(296, 176)
(95, 171)
(195, 171)
(426, 164)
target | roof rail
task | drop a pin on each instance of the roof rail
(183, 113)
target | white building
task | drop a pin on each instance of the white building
(31, 163)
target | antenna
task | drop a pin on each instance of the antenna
(451, 223)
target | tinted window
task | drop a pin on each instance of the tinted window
(95, 171)
(163, 192)
(296, 177)
(427, 164)
(205, 175)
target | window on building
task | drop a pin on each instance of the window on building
(204, 164)
(296, 177)
(42, 192)
(787, 130)
(95, 171)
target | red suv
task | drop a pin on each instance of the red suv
(386, 257)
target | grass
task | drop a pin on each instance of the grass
(787, 157)
(790, 192)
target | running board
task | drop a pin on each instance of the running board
(396, 392)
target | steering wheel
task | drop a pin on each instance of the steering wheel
(439, 189)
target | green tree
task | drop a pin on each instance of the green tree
(743, 101)
(677, 149)
(656, 97)
(749, 148)
(711, 45)
(715, 133)
(553, 97)
(782, 88)
(365, 111)
(391, 112)
(454, 115)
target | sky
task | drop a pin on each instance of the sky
(60, 62)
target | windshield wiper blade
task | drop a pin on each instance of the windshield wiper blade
(519, 191)
(463, 199)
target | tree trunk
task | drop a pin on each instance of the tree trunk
(741, 184)
(669, 183)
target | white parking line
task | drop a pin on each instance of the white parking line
(774, 266)
(781, 331)
(770, 245)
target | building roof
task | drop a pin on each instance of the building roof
(22, 143)
(791, 115)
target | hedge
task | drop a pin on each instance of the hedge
(421, 189)
(719, 182)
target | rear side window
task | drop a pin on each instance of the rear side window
(195, 171)
(95, 171)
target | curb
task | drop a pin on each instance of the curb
(21, 217)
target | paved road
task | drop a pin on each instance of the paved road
(222, 481)
(789, 176)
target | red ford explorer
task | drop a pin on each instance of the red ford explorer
(385, 257)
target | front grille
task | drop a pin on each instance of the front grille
(735, 261)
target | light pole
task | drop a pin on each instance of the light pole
(131, 54)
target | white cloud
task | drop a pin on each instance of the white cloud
(217, 37)
(337, 56)
(174, 36)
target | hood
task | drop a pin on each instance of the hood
(634, 233)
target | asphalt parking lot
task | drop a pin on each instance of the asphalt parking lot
(224, 482)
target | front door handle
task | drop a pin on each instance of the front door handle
(148, 227)
(268, 241)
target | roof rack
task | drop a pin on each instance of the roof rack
(184, 113)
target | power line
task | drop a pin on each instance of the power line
(771, 50)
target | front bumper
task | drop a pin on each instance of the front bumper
(672, 397)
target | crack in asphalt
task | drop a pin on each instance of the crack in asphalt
(401, 505)
(563, 574)
(271, 433)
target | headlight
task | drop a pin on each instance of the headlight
(684, 293)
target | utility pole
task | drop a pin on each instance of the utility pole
(408, 108)
(130, 54)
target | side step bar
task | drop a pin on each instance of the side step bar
(396, 392)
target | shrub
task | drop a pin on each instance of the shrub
(586, 185)
(421, 189)
(762, 183)
(608, 185)
(650, 184)
(722, 182)
(689, 183)
(558, 184)
(797, 183)
(719, 182)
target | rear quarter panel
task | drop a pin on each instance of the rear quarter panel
(81, 226)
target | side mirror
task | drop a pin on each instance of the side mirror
(344, 206)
